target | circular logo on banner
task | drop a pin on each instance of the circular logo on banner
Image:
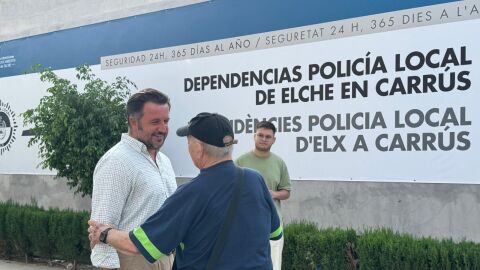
(8, 127)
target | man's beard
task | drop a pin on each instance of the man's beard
(150, 145)
(263, 149)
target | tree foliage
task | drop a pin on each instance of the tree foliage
(75, 128)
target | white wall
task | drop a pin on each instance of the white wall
(32, 17)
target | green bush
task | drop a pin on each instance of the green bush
(333, 248)
(15, 230)
(61, 234)
(307, 247)
(75, 124)
(300, 251)
(384, 249)
(36, 230)
(5, 246)
(53, 234)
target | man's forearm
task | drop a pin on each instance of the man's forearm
(116, 239)
(121, 242)
(282, 194)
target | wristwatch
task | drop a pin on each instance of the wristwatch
(104, 234)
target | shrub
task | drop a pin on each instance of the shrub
(300, 250)
(62, 234)
(27, 230)
(307, 247)
(15, 230)
(384, 249)
(36, 230)
(74, 128)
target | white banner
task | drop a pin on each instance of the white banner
(392, 106)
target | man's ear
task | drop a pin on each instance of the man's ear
(132, 122)
(202, 149)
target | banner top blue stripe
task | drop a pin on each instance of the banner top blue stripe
(184, 25)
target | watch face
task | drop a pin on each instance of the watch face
(103, 235)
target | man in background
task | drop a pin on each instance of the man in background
(133, 179)
(275, 175)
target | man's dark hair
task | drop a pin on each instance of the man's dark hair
(266, 125)
(136, 102)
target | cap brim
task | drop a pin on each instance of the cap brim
(183, 131)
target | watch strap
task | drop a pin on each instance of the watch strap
(104, 234)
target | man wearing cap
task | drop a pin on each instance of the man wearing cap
(191, 219)
(274, 172)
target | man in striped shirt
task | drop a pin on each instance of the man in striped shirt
(133, 179)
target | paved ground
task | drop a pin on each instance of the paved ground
(11, 265)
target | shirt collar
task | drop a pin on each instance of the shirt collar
(134, 143)
(228, 162)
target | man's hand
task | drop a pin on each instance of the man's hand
(116, 238)
(94, 231)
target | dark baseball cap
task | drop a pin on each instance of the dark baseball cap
(210, 128)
